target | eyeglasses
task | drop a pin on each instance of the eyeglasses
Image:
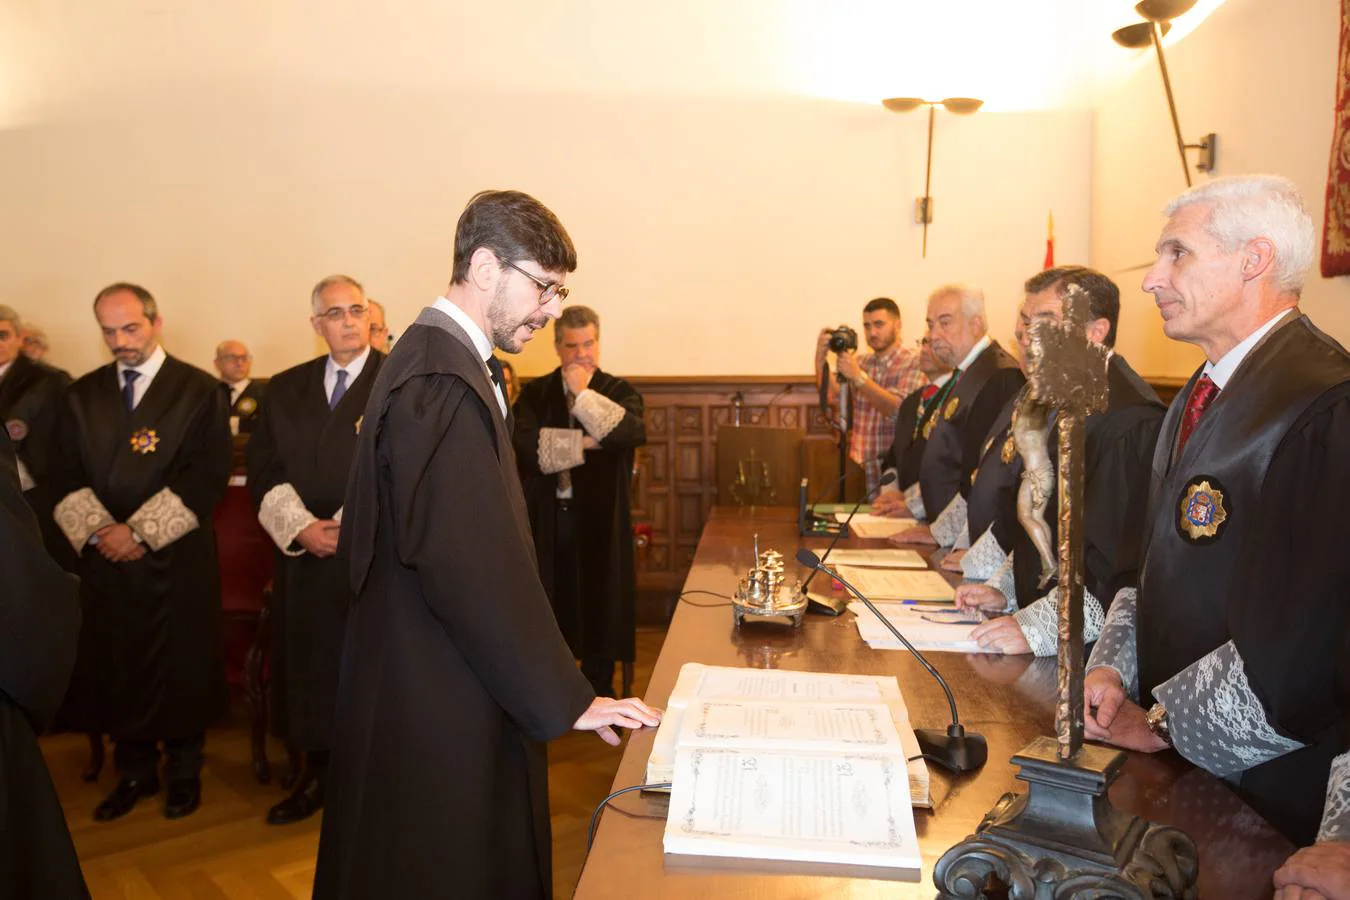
(547, 289)
(337, 313)
(234, 358)
(378, 329)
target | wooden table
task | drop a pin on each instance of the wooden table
(1007, 699)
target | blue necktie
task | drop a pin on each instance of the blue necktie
(338, 389)
(129, 390)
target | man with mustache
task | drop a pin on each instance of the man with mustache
(298, 458)
(145, 458)
(576, 431)
(454, 672)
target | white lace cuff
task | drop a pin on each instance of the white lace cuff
(283, 516)
(1215, 718)
(79, 515)
(963, 542)
(1336, 814)
(560, 449)
(914, 500)
(1040, 622)
(947, 527)
(1004, 581)
(984, 558)
(163, 519)
(1116, 645)
(598, 414)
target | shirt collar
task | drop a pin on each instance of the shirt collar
(1222, 371)
(6, 367)
(240, 386)
(148, 369)
(941, 379)
(980, 346)
(481, 343)
(353, 368)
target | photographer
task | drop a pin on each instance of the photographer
(878, 379)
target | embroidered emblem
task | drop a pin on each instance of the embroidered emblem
(359, 420)
(1202, 511)
(144, 440)
(1009, 450)
(247, 406)
(17, 428)
(950, 409)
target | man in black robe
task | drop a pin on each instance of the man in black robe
(298, 459)
(1117, 450)
(984, 377)
(905, 454)
(576, 431)
(39, 630)
(1235, 647)
(454, 672)
(144, 460)
(245, 394)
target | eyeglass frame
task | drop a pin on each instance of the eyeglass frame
(235, 357)
(356, 311)
(559, 290)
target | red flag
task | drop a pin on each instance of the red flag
(1050, 242)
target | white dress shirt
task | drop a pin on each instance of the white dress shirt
(148, 370)
(1222, 371)
(980, 346)
(5, 368)
(240, 386)
(330, 370)
(480, 340)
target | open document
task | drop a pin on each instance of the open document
(924, 586)
(925, 629)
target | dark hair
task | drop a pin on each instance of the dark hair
(148, 304)
(882, 303)
(1103, 295)
(515, 227)
(575, 317)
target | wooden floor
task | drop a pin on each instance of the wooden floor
(226, 850)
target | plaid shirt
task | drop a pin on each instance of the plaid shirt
(897, 371)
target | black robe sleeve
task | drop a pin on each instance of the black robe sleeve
(265, 469)
(631, 432)
(454, 525)
(984, 412)
(1116, 480)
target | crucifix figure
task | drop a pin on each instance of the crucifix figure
(1063, 839)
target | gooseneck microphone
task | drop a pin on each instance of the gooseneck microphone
(954, 750)
(830, 606)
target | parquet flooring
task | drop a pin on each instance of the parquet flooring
(225, 851)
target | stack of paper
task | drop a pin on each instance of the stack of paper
(805, 766)
(926, 629)
(866, 525)
(877, 559)
(899, 584)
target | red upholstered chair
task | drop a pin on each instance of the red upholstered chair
(246, 563)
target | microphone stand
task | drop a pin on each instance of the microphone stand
(833, 606)
(955, 749)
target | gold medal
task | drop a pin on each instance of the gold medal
(247, 406)
(1202, 510)
(144, 440)
(928, 426)
(359, 420)
(950, 409)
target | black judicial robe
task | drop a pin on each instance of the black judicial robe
(39, 629)
(906, 450)
(960, 427)
(454, 671)
(154, 623)
(994, 483)
(300, 441)
(603, 626)
(30, 407)
(1275, 578)
(1117, 453)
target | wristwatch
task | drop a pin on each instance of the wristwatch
(1156, 719)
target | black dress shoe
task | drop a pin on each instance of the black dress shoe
(124, 797)
(305, 802)
(185, 795)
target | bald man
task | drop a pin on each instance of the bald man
(234, 362)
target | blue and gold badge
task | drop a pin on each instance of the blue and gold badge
(1202, 513)
(950, 409)
(247, 406)
(144, 440)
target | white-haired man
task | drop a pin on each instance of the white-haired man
(1235, 644)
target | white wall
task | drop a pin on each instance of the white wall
(1262, 75)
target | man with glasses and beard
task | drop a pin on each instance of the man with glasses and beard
(454, 671)
(144, 460)
(298, 458)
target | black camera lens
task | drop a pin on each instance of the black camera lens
(843, 339)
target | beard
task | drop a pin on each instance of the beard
(503, 324)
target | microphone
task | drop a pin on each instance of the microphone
(831, 606)
(954, 750)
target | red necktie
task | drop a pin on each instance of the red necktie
(1202, 395)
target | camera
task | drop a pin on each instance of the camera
(843, 339)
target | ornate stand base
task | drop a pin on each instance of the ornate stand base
(1063, 840)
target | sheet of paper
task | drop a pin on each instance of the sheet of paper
(843, 808)
(866, 525)
(797, 726)
(899, 584)
(924, 634)
(724, 682)
(878, 559)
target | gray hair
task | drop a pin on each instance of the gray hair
(316, 295)
(10, 315)
(972, 298)
(1246, 207)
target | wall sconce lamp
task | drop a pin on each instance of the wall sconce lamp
(961, 106)
(1160, 14)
